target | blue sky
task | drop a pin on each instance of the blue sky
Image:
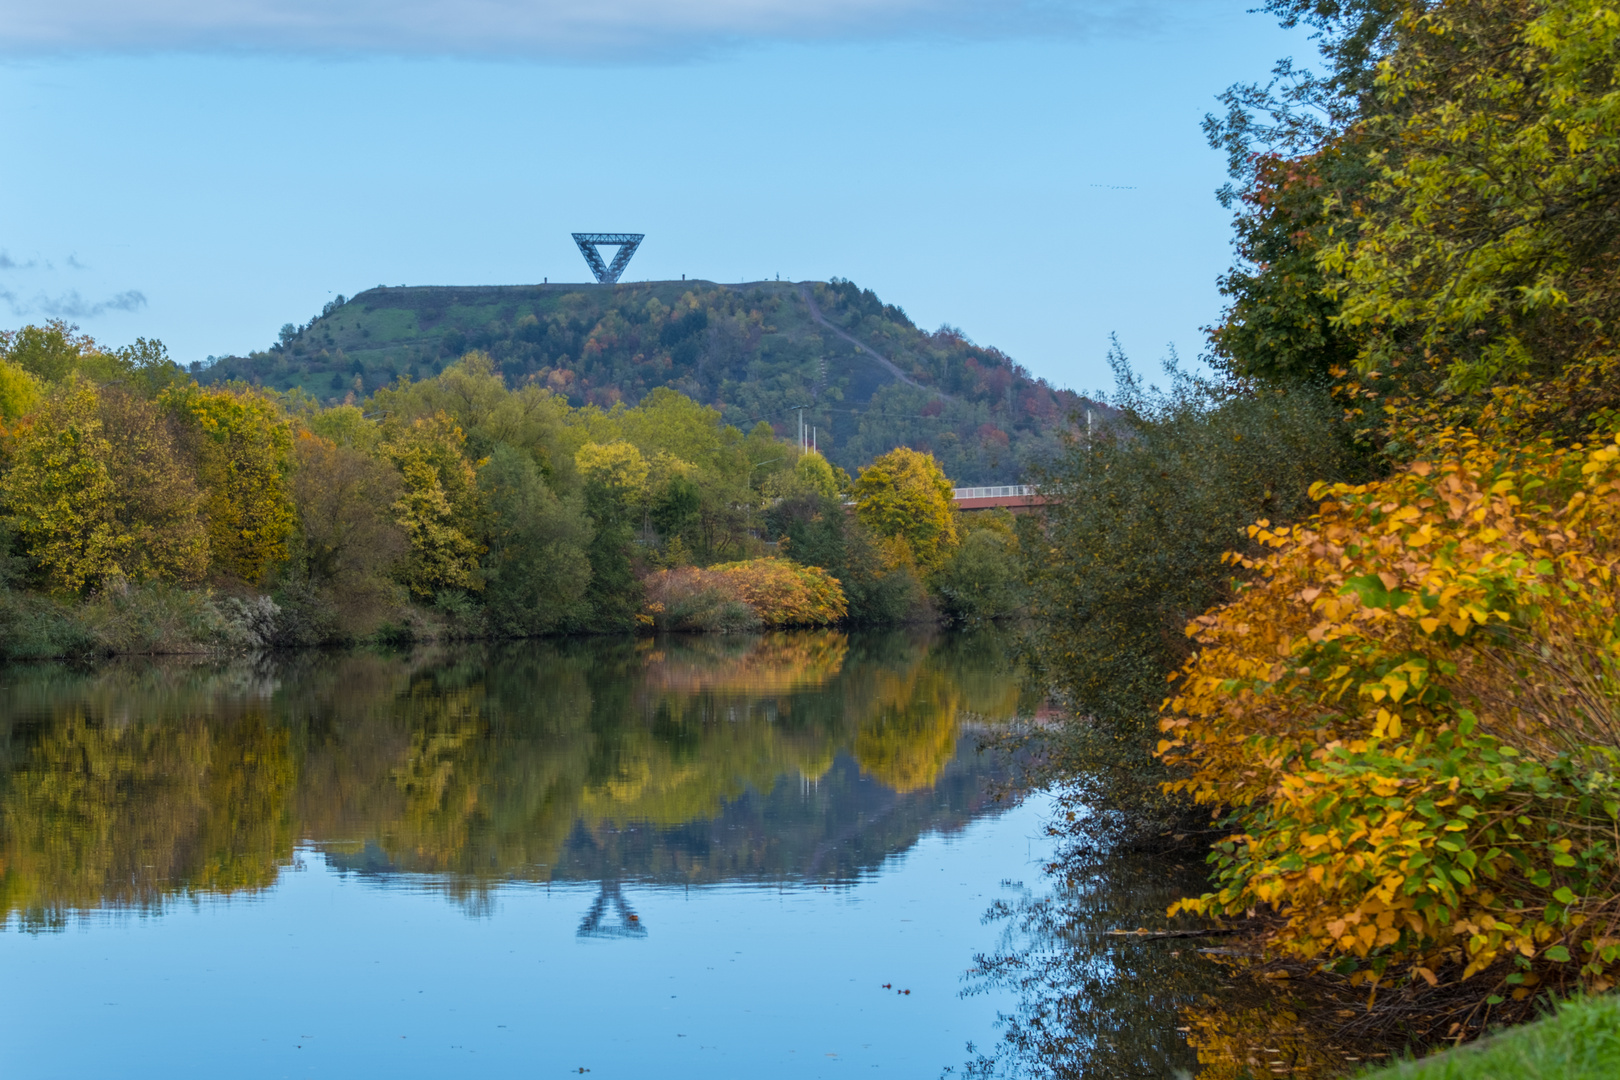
(1031, 172)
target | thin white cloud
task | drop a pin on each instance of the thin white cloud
(554, 29)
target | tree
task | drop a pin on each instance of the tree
(814, 473)
(475, 396)
(345, 501)
(982, 579)
(537, 569)
(615, 477)
(438, 508)
(157, 502)
(98, 493)
(243, 447)
(50, 353)
(19, 391)
(1486, 250)
(676, 511)
(816, 532)
(1136, 525)
(904, 497)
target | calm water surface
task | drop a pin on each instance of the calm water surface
(673, 858)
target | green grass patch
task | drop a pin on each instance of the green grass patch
(1580, 1042)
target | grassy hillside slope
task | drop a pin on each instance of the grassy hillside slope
(869, 378)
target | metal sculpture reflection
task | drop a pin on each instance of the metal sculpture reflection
(597, 922)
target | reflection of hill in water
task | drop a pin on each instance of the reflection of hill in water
(835, 828)
(810, 755)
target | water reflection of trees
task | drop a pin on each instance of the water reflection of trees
(132, 783)
(1089, 1005)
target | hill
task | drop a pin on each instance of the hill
(869, 378)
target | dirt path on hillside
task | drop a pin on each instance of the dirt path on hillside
(888, 365)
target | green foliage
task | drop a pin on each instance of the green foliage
(56, 351)
(49, 353)
(34, 627)
(473, 395)
(349, 544)
(19, 391)
(536, 571)
(1281, 323)
(812, 472)
(1490, 235)
(755, 353)
(614, 476)
(816, 531)
(1136, 525)
(983, 578)
(156, 619)
(496, 511)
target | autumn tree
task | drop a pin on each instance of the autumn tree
(1480, 265)
(98, 492)
(905, 498)
(242, 444)
(439, 505)
(157, 501)
(345, 504)
(19, 391)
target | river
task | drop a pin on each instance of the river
(690, 857)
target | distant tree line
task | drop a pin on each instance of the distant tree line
(143, 511)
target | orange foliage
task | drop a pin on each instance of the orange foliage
(1411, 710)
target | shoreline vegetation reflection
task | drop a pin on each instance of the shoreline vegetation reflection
(809, 756)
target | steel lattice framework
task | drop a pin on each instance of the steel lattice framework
(606, 273)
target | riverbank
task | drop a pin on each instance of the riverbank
(170, 620)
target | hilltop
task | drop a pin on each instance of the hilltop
(869, 378)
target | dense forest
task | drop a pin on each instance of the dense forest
(141, 511)
(869, 380)
(1375, 554)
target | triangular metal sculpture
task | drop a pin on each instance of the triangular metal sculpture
(607, 274)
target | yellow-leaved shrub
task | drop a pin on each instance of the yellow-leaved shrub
(1409, 716)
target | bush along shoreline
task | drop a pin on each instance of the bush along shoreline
(143, 513)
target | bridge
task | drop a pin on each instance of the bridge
(1019, 498)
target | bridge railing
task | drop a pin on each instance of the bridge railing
(1003, 491)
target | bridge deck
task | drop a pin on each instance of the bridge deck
(1019, 498)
